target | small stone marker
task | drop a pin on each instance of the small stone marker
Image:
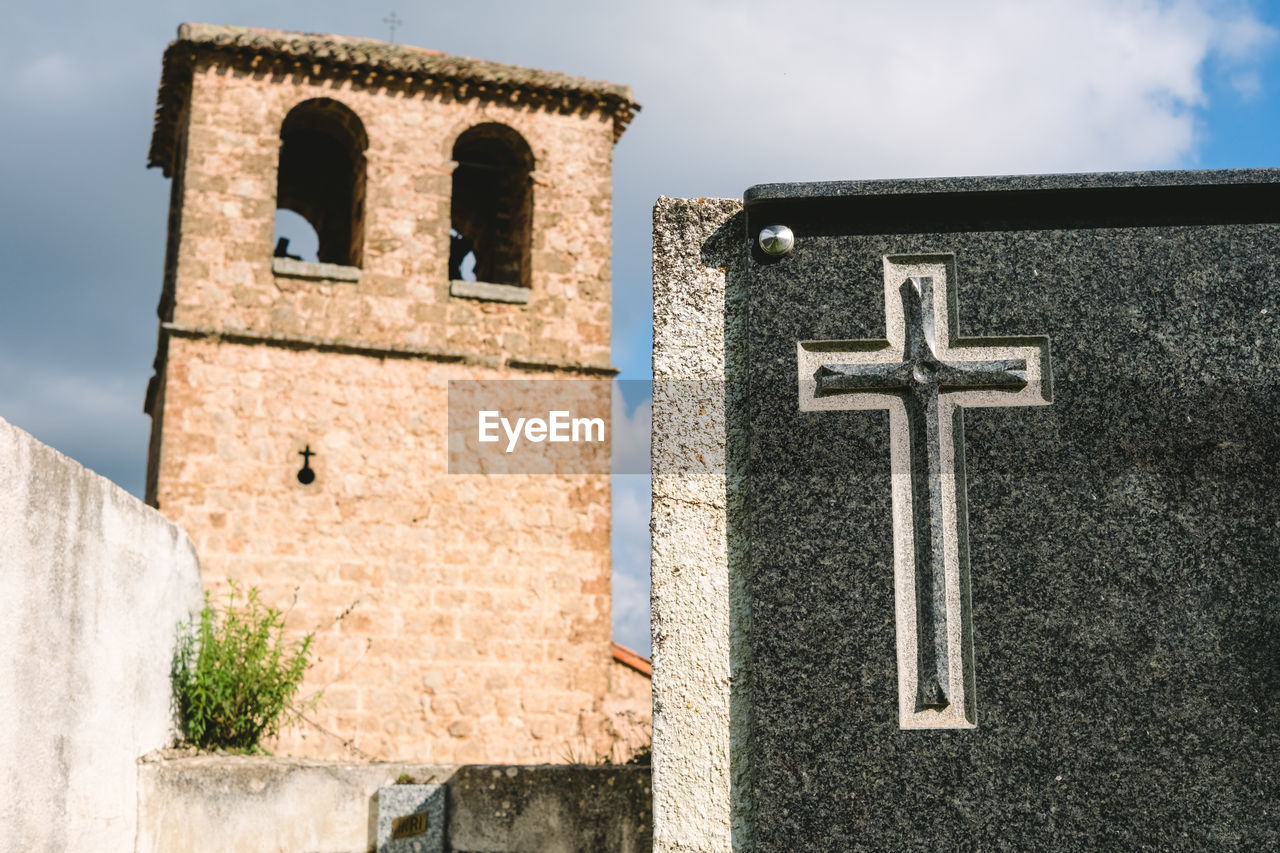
(411, 818)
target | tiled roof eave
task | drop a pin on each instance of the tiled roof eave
(376, 64)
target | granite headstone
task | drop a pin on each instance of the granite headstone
(1011, 485)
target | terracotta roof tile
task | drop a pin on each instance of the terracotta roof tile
(633, 659)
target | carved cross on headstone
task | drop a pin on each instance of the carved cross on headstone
(925, 375)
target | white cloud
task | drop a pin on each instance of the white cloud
(750, 91)
(1236, 34)
(630, 434)
(49, 82)
(97, 421)
(631, 500)
(51, 77)
(1247, 84)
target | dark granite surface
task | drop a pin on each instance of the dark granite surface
(761, 193)
(1123, 541)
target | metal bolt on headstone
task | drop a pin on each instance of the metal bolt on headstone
(776, 240)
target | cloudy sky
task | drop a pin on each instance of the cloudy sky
(734, 93)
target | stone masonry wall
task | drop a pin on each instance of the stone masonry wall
(458, 618)
(224, 277)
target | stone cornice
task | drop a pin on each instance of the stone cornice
(370, 63)
(351, 347)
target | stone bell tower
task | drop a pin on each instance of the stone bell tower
(462, 212)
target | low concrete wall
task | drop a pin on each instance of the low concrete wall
(550, 809)
(93, 586)
(238, 804)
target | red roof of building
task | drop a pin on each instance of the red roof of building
(633, 659)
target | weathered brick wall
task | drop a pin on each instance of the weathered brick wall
(459, 618)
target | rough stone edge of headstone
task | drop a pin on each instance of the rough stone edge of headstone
(700, 759)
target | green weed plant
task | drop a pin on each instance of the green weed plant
(235, 678)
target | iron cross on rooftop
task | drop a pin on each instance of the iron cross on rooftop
(925, 374)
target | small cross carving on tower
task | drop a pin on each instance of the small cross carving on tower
(925, 375)
(306, 476)
(392, 21)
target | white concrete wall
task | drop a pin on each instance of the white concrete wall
(93, 584)
(701, 670)
(236, 804)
